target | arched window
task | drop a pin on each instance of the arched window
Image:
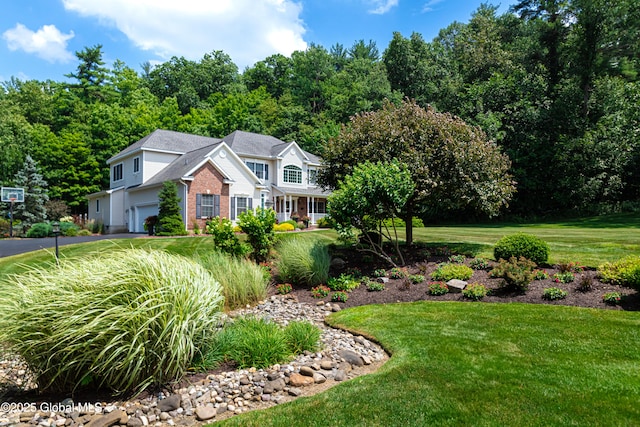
(292, 174)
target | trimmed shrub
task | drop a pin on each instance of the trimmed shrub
(40, 230)
(325, 222)
(475, 291)
(625, 272)
(224, 237)
(522, 245)
(344, 282)
(258, 226)
(446, 272)
(517, 273)
(303, 261)
(284, 226)
(122, 320)
(552, 294)
(243, 282)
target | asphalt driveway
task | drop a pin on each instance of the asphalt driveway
(10, 247)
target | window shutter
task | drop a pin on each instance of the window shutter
(266, 172)
(216, 205)
(250, 203)
(233, 209)
(198, 205)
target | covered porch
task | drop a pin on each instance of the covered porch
(311, 203)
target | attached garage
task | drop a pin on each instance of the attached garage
(142, 212)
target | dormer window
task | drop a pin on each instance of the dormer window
(292, 174)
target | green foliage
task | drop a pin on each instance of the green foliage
(374, 286)
(33, 209)
(522, 245)
(416, 278)
(252, 342)
(320, 291)
(625, 272)
(344, 282)
(479, 264)
(372, 193)
(325, 222)
(446, 272)
(123, 319)
(612, 298)
(303, 261)
(400, 223)
(68, 229)
(170, 221)
(398, 273)
(39, 230)
(437, 288)
(517, 273)
(259, 229)
(457, 259)
(585, 284)
(564, 277)
(379, 272)
(475, 291)
(554, 293)
(540, 275)
(243, 282)
(570, 267)
(284, 288)
(224, 238)
(339, 296)
(302, 336)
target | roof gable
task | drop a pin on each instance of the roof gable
(257, 145)
(167, 141)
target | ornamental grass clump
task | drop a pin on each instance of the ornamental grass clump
(120, 321)
(243, 282)
(303, 261)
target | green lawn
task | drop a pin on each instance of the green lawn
(482, 364)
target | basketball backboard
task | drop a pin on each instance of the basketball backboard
(12, 194)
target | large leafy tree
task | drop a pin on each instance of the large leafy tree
(453, 165)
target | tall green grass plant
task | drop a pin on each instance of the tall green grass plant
(303, 261)
(122, 320)
(243, 282)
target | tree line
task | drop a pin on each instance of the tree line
(554, 83)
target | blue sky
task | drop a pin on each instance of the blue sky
(39, 38)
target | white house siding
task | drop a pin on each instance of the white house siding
(242, 183)
(116, 222)
(292, 156)
(142, 204)
(154, 162)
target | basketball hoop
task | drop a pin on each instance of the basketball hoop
(12, 199)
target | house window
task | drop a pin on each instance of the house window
(239, 205)
(319, 207)
(136, 164)
(97, 205)
(260, 169)
(292, 174)
(207, 205)
(117, 172)
(313, 176)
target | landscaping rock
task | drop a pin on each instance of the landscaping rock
(306, 371)
(204, 413)
(115, 417)
(169, 404)
(297, 380)
(351, 357)
(456, 286)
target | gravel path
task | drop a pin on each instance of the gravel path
(207, 397)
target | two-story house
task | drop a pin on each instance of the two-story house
(215, 177)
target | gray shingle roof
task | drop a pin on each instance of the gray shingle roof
(180, 166)
(254, 144)
(167, 140)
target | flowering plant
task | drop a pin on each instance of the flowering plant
(612, 298)
(438, 288)
(284, 288)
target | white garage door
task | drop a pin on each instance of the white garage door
(142, 213)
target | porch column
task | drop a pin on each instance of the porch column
(312, 209)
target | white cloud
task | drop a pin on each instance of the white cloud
(246, 30)
(382, 6)
(47, 43)
(428, 6)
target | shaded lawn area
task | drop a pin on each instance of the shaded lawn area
(484, 365)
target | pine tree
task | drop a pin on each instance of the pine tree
(35, 194)
(169, 218)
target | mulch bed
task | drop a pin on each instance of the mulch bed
(399, 290)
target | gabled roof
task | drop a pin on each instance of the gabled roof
(180, 167)
(168, 141)
(264, 146)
